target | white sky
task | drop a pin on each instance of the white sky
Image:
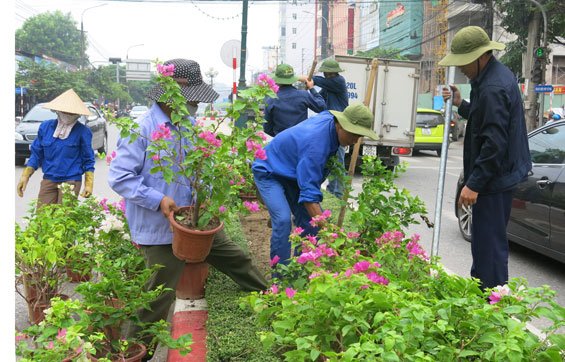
(182, 29)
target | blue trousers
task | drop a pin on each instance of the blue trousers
(280, 195)
(334, 186)
(489, 244)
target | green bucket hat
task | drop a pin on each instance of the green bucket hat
(468, 45)
(330, 66)
(284, 74)
(357, 119)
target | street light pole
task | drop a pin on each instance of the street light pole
(133, 46)
(82, 40)
(211, 73)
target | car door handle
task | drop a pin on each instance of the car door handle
(543, 183)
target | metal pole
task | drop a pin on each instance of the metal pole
(82, 40)
(241, 84)
(442, 165)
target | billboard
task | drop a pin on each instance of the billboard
(400, 26)
(138, 69)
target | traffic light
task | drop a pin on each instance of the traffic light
(537, 72)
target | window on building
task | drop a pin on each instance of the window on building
(293, 45)
(283, 31)
(294, 16)
(293, 30)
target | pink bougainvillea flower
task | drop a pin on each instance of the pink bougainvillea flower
(494, 297)
(319, 218)
(50, 345)
(274, 289)
(298, 231)
(155, 158)
(314, 275)
(61, 334)
(166, 70)
(211, 138)
(222, 209)
(262, 135)
(261, 154)
(361, 266)
(376, 278)
(252, 206)
(290, 293)
(264, 80)
(274, 261)
(104, 204)
(352, 235)
(348, 273)
(364, 287)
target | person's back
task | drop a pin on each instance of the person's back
(291, 105)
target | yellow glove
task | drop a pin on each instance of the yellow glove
(88, 183)
(24, 178)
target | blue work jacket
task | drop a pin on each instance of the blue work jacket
(290, 108)
(301, 153)
(496, 154)
(334, 92)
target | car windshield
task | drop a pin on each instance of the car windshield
(428, 119)
(39, 114)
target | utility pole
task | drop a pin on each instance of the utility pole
(531, 103)
(241, 84)
(324, 38)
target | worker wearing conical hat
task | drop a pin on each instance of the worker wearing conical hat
(63, 150)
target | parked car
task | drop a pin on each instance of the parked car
(537, 219)
(457, 126)
(137, 111)
(429, 130)
(26, 130)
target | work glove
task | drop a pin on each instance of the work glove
(88, 183)
(24, 178)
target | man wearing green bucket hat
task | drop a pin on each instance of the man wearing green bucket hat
(291, 105)
(334, 92)
(290, 177)
(496, 155)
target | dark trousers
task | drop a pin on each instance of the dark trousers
(225, 255)
(489, 244)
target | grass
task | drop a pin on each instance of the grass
(232, 331)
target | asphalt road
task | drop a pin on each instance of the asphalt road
(421, 179)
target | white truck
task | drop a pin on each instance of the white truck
(394, 102)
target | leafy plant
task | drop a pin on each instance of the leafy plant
(192, 154)
(349, 299)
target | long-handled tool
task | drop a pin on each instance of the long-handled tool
(355, 154)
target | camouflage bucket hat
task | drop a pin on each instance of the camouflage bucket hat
(330, 66)
(468, 45)
(284, 74)
(357, 118)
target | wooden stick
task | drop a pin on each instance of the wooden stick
(312, 69)
(355, 154)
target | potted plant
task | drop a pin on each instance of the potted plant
(199, 156)
(40, 255)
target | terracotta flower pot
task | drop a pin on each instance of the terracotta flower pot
(192, 282)
(135, 353)
(36, 308)
(191, 245)
(76, 277)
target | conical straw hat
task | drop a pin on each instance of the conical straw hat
(68, 102)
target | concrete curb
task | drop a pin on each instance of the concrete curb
(190, 316)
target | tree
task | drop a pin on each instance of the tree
(46, 81)
(382, 53)
(516, 13)
(53, 34)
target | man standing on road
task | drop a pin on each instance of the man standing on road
(150, 200)
(496, 155)
(334, 92)
(291, 105)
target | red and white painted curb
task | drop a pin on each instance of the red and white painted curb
(190, 316)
